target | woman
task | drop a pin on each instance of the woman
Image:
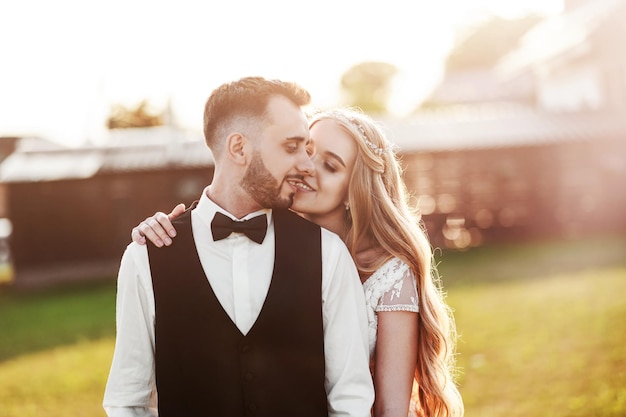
(358, 193)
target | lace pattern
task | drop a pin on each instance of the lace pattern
(390, 288)
(399, 307)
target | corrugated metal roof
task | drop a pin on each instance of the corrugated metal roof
(461, 129)
(183, 154)
(49, 166)
(453, 128)
(35, 164)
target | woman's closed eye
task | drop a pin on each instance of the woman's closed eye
(330, 167)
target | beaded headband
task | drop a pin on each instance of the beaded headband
(376, 149)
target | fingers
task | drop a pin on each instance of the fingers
(150, 229)
(158, 229)
(177, 211)
(138, 236)
(162, 222)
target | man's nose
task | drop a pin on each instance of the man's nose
(305, 164)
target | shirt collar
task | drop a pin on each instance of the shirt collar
(207, 209)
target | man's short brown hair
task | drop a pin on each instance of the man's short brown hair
(246, 98)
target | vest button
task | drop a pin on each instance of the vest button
(245, 348)
(249, 376)
(252, 406)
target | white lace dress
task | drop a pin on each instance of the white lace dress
(390, 288)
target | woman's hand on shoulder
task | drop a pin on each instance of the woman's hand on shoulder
(157, 228)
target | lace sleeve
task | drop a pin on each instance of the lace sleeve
(401, 294)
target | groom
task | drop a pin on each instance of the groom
(252, 310)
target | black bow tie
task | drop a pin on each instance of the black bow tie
(255, 228)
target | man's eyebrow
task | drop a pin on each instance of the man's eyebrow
(298, 139)
(336, 157)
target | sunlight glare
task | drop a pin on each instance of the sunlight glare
(66, 69)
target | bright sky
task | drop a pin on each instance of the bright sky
(64, 62)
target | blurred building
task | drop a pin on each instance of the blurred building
(483, 176)
(575, 60)
(529, 140)
(568, 62)
(479, 179)
(531, 146)
(71, 210)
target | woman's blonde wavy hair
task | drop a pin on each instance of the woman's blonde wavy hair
(380, 212)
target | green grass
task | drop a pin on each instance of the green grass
(64, 381)
(545, 347)
(529, 261)
(541, 334)
(32, 322)
(55, 350)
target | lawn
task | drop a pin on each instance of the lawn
(544, 347)
(541, 334)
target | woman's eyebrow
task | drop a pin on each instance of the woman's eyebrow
(335, 156)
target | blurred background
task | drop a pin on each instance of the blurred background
(508, 117)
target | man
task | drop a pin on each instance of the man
(222, 324)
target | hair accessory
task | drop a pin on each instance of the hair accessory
(377, 150)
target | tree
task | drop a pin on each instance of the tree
(122, 117)
(367, 85)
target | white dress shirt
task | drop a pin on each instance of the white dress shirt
(239, 272)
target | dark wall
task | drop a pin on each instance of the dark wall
(552, 190)
(468, 198)
(83, 220)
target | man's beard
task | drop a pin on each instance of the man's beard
(262, 186)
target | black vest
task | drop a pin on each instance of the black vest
(206, 367)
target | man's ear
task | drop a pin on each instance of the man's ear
(237, 147)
